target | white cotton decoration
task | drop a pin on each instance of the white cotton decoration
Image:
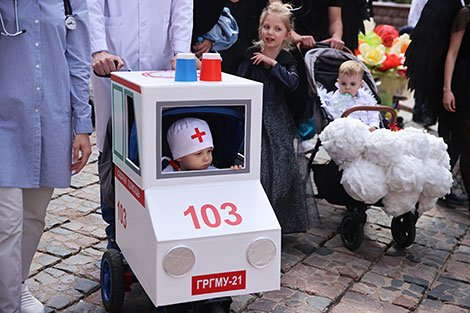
(398, 203)
(383, 147)
(414, 142)
(438, 151)
(406, 175)
(364, 181)
(437, 180)
(426, 203)
(344, 139)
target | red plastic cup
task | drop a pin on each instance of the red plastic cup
(211, 70)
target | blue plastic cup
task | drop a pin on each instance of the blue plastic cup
(185, 68)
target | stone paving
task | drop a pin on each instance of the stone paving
(318, 273)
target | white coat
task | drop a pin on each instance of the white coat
(145, 34)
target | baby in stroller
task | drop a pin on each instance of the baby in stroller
(350, 93)
(379, 168)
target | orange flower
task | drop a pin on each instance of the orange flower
(391, 61)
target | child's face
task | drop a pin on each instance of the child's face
(349, 84)
(273, 31)
(199, 160)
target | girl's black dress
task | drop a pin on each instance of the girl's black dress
(280, 174)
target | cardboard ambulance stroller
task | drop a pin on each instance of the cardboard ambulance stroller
(189, 235)
(322, 70)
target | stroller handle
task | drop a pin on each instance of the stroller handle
(392, 111)
(327, 45)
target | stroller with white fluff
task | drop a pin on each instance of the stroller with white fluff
(322, 71)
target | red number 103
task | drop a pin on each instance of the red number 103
(208, 209)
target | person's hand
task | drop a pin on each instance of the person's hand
(448, 101)
(198, 64)
(305, 42)
(103, 63)
(335, 43)
(258, 58)
(202, 47)
(81, 152)
(372, 128)
(173, 62)
(236, 167)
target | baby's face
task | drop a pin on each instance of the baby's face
(199, 160)
(349, 84)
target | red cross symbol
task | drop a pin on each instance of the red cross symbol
(198, 134)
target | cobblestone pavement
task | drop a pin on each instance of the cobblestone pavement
(318, 273)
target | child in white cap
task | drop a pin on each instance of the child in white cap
(191, 145)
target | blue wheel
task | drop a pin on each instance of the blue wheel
(112, 280)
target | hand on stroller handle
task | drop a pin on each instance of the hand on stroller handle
(327, 45)
(392, 111)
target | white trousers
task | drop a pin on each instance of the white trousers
(22, 215)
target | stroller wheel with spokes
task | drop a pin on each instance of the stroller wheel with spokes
(404, 229)
(352, 231)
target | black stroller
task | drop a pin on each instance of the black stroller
(322, 70)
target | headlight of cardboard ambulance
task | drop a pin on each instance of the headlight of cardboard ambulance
(178, 261)
(261, 253)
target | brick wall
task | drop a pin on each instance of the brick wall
(391, 14)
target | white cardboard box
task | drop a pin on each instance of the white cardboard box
(217, 215)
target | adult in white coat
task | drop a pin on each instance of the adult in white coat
(139, 35)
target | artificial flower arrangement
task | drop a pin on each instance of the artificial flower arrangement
(383, 51)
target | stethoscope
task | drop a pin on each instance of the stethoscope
(70, 21)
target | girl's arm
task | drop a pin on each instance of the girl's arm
(448, 100)
(287, 75)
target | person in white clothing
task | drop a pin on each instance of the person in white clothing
(138, 35)
(350, 93)
(415, 11)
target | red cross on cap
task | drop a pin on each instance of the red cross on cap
(198, 135)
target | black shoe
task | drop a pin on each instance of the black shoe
(112, 244)
(444, 203)
(451, 201)
(455, 200)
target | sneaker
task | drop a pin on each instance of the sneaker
(29, 304)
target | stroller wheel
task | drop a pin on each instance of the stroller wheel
(113, 282)
(352, 232)
(404, 229)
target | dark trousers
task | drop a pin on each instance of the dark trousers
(107, 213)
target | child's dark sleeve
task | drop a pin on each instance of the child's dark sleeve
(287, 75)
(244, 69)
